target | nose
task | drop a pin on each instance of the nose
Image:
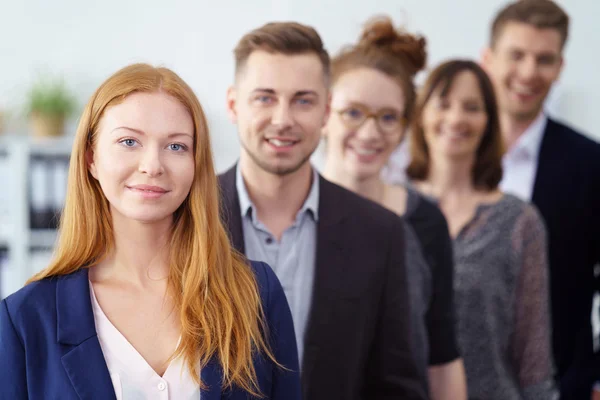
(282, 116)
(455, 117)
(151, 163)
(368, 131)
(527, 68)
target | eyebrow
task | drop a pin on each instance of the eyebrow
(140, 132)
(297, 94)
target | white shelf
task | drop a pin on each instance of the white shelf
(16, 152)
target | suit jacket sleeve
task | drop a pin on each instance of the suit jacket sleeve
(394, 370)
(286, 382)
(13, 382)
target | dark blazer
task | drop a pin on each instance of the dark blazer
(567, 193)
(49, 348)
(357, 343)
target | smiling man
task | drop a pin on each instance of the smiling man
(340, 257)
(556, 168)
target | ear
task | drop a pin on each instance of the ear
(327, 109)
(486, 59)
(561, 67)
(231, 104)
(91, 164)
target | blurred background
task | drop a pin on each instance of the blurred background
(53, 55)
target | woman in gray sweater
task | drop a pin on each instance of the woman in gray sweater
(499, 241)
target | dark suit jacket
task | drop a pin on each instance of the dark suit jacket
(49, 348)
(567, 193)
(357, 343)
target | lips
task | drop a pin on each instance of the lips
(455, 135)
(281, 142)
(148, 188)
(524, 92)
(365, 154)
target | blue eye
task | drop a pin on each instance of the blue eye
(177, 147)
(264, 99)
(128, 142)
(389, 117)
(304, 102)
(353, 113)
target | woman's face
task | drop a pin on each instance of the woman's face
(367, 122)
(143, 157)
(454, 125)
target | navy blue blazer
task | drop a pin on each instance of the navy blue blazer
(567, 193)
(49, 347)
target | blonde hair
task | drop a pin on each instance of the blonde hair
(215, 290)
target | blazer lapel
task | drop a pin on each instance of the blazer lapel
(84, 362)
(550, 170)
(330, 262)
(230, 210)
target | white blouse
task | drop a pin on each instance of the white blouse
(132, 377)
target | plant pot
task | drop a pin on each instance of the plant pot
(47, 125)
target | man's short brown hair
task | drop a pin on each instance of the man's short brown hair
(542, 14)
(290, 38)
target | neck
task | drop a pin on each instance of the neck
(513, 128)
(140, 254)
(450, 178)
(279, 196)
(372, 187)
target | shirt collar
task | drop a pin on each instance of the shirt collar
(310, 204)
(530, 141)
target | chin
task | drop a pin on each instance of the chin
(361, 172)
(281, 169)
(147, 216)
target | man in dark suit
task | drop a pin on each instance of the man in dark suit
(340, 257)
(556, 168)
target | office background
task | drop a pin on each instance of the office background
(85, 42)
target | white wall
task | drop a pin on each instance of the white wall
(87, 41)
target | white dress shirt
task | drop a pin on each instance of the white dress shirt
(132, 377)
(520, 162)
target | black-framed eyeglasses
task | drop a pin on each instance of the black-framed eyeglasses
(388, 120)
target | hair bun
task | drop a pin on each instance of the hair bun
(411, 49)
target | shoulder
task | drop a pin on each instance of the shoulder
(527, 216)
(573, 139)
(37, 300)
(32, 307)
(32, 296)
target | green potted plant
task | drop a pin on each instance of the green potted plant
(49, 104)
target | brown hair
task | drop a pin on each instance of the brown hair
(290, 38)
(395, 53)
(542, 14)
(487, 170)
(214, 288)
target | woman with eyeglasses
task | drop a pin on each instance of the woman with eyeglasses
(373, 97)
